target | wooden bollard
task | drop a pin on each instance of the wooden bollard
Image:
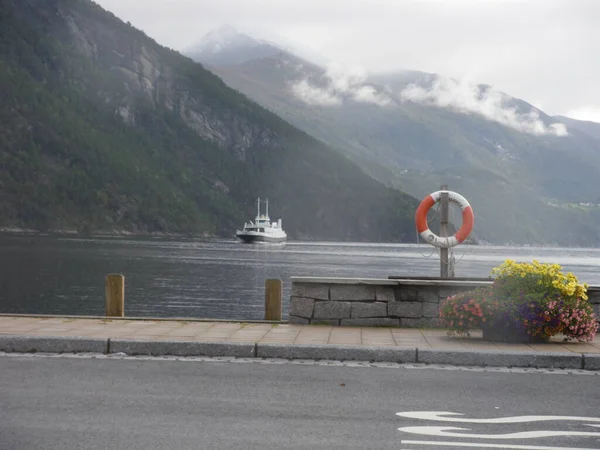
(115, 295)
(273, 294)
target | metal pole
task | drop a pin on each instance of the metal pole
(444, 231)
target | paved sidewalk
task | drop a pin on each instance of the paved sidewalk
(254, 333)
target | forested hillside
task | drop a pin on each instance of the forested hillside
(103, 129)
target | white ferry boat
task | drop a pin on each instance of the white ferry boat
(262, 229)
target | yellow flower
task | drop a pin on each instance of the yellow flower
(542, 275)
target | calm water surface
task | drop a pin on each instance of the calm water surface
(220, 278)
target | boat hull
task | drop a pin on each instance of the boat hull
(252, 238)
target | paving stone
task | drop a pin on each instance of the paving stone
(385, 294)
(302, 307)
(430, 310)
(371, 322)
(377, 309)
(185, 332)
(226, 326)
(338, 353)
(405, 309)
(352, 293)
(331, 310)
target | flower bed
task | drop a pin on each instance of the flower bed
(527, 302)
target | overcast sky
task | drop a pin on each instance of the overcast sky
(544, 51)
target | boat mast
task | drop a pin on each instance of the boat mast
(258, 209)
(267, 213)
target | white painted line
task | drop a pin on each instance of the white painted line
(438, 416)
(479, 445)
(450, 432)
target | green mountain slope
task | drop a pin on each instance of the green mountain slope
(101, 128)
(522, 185)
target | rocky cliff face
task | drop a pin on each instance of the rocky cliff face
(144, 71)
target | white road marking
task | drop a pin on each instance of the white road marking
(451, 432)
(438, 416)
(480, 445)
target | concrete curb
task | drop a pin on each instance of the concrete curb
(181, 348)
(52, 344)
(546, 360)
(339, 353)
(543, 360)
(591, 361)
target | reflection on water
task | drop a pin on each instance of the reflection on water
(220, 278)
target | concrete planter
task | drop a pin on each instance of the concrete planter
(511, 334)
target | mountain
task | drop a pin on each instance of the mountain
(102, 128)
(523, 171)
(588, 127)
(226, 45)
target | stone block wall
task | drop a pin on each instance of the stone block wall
(371, 302)
(380, 302)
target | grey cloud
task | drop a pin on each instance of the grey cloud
(340, 83)
(467, 98)
(543, 51)
(314, 95)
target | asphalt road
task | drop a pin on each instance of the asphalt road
(75, 403)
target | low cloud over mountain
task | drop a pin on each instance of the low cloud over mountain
(467, 98)
(339, 84)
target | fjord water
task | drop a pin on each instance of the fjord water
(221, 279)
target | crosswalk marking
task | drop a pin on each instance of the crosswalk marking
(439, 416)
(481, 445)
(534, 434)
(589, 430)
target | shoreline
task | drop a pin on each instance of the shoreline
(125, 233)
(112, 233)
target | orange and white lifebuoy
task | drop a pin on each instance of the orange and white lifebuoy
(468, 219)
